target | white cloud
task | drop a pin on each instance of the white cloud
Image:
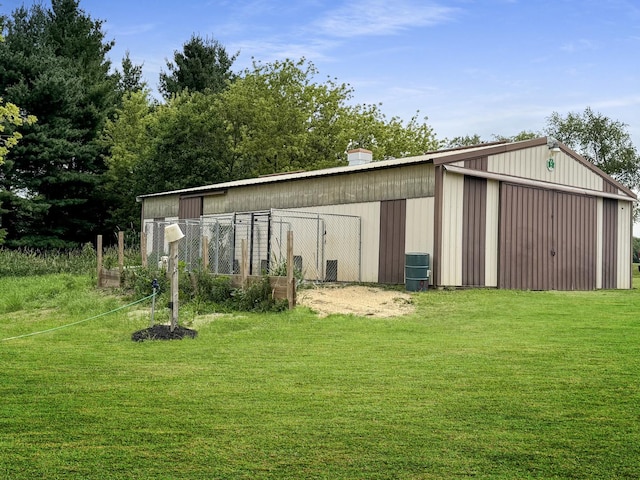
(382, 17)
(578, 46)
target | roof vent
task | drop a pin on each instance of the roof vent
(359, 156)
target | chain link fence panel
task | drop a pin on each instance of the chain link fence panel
(326, 246)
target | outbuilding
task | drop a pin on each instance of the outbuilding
(529, 215)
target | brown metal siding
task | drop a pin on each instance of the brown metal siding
(609, 243)
(525, 238)
(474, 231)
(609, 187)
(481, 163)
(575, 220)
(547, 240)
(190, 207)
(393, 215)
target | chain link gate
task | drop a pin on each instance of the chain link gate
(326, 246)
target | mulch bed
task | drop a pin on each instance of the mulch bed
(163, 332)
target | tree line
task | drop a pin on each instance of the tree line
(101, 138)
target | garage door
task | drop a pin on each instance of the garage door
(547, 239)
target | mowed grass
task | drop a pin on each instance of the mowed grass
(476, 383)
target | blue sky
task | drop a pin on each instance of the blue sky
(486, 66)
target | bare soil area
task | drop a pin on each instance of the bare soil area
(357, 300)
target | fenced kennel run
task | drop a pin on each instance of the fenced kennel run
(326, 247)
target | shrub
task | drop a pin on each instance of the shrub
(258, 298)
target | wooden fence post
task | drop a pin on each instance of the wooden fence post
(99, 254)
(244, 264)
(205, 253)
(173, 256)
(121, 253)
(291, 282)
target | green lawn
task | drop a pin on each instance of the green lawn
(477, 383)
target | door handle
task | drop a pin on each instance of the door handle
(553, 252)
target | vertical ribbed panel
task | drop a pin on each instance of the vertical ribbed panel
(532, 163)
(492, 239)
(575, 242)
(547, 239)
(190, 207)
(609, 243)
(392, 240)
(525, 238)
(625, 210)
(419, 232)
(452, 220)
(474, 231)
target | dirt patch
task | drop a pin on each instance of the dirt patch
(356, 300)
(163, 332)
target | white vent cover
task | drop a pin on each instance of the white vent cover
(359, 156)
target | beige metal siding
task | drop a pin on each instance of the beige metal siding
(624, 246)
(610, 243)
(452, 214)
(532, 163)
(369, 214)
(161, 207)
(411, 181)
(420, 227)
(491, 242)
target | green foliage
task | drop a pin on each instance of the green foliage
(365, 126)
(203, 66)
(54, 64)
(258, 297)
(30, 262)
(130, 79)
(138, 281)
(604, 142)
(212, 288)
(475, 139)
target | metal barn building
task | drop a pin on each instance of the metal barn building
(525, 215)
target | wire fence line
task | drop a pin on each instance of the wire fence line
(326, 246)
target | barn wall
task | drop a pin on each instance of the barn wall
(369, 214)
(493, 220)
(624, 247)
(532, 163)
(411, 181)
(161, 207)
(451, 234)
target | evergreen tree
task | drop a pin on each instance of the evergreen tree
(54, 64)
(203, 65)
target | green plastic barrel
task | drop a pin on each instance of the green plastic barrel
(416, 272)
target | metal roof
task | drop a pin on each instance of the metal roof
(285, 177)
